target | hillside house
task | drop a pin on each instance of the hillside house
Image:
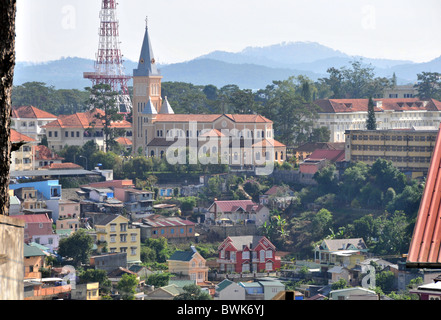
(340, 252)
(247, 254)
(237, 211)
(188, 265)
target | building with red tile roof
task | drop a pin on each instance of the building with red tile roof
(79, 128)
(425, 246)
(45, 156)
(339, 115)
(23, 158)
(30, 120)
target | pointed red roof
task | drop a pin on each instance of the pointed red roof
(86, 119)
(18, 137)
(30, 112)
(425, 247)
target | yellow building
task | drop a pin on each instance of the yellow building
(115, 233)
(409, 150)
(22, 159)
(235, 139)
(188, 264)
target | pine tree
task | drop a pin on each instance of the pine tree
(371, 123)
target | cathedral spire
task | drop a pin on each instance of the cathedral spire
(146, 63)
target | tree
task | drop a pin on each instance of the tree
(159, 279)
(77, 246)
(429, 85)
(102, 97)
(322, 222)
(127, 286)
(96, 275)
(193, 292)
(371, 123)
(7, 59)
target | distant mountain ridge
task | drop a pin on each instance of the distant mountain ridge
(251, 68)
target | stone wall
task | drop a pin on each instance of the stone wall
(11, 258)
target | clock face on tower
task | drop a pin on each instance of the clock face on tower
(141, 61)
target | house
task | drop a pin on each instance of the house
(319, 159)
(188, 265)
(79, 128)
(115, 233)
(247, 254)
(278, 196)
(305, 150)
(29, 198)
(43, 157)
(85, 291)
(23, 158)
(30, 121)
(429, 291)
(34, 260)
(38, 228)
(237, 211)
(340, 252)
(168, 292)
(229, 290)
(339, 115)
(262, 289)
(69, 216)
(354, 293)
(116, 275)
(50, 191)
(138, 203)
(158, 226)
(109, 261)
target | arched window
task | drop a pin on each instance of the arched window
(152, 153)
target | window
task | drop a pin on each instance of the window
(245, 255)
(66, 134)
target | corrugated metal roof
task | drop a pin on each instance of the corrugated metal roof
(424, 249)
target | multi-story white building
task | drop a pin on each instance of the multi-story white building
(30, 121)
(339, 115)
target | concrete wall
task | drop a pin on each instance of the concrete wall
(11, 258)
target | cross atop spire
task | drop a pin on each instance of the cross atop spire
(146, 21)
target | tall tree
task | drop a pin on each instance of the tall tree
(429, 85)
(7, 65)
(102, 97)
(371, 123)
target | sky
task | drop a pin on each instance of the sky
(182, 30)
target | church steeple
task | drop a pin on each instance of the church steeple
(146, 64)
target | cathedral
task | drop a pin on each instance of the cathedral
(239, 140)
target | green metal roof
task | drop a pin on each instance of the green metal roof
(182, 256)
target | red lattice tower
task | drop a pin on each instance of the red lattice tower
(109, 63)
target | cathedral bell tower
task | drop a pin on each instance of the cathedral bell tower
(147, 99)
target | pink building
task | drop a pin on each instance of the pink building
(36, 225)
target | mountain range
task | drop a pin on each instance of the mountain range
(251, 68)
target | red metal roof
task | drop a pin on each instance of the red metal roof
(424, 249)
(331, 155)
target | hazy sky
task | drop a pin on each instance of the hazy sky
(184, 29)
